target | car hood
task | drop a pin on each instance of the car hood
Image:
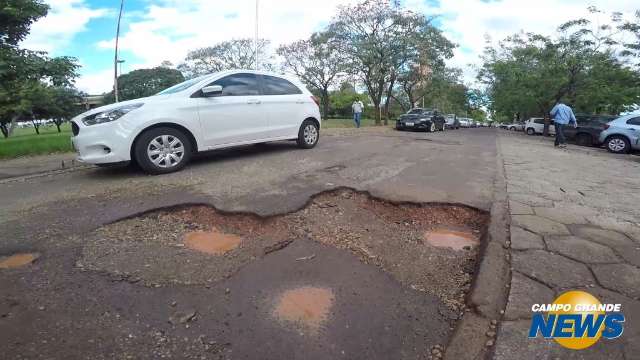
(104, 108)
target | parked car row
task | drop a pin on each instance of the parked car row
(431, 120)
(616, 134)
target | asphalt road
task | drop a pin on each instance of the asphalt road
(54, 309)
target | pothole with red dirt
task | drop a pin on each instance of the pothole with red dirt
(428, 248)
(19, 260)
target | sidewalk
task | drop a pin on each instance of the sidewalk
(29, 165)
(575, 224)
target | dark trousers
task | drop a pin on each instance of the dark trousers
(560, 139)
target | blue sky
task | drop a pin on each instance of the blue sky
(158, 30)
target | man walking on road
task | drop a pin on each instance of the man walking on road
(357, 108)
(562, 116)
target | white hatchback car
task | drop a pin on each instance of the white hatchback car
(225, 109)
(535, 126)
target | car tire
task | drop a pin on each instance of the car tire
(162, 150)
(531, 131)
(308, 135)
(584, 140)
(432, 127)
(444, 127)
(618, 144)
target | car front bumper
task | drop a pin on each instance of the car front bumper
(416, 125)
(101, 144)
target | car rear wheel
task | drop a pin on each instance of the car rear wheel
(444, 127)
(432, 127)
(584, 140)
(162, 150)
(618, 144)
(308, 135)
(531, 131)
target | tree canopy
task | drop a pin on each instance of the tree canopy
(145, 82)
(583, 64)
(227, 55)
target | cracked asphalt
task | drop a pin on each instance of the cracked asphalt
(55, 308)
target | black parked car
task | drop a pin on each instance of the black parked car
(421, 119)
(589, 128)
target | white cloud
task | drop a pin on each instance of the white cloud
(65, 19)
(96, 82)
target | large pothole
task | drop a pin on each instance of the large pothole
(200, 245)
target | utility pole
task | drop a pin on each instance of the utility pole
(256, 38)
(115, 60)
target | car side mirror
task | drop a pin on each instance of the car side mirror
(211, 91)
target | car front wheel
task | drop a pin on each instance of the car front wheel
(530, 131)
(162, 150)
(308, 135)
(618, 144)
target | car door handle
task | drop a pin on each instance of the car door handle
(254, 101)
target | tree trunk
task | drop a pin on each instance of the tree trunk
(12, 126)
(36, 126)
(325, 102)
(5, 131)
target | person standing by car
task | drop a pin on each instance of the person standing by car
(562, 116)
(357, 108)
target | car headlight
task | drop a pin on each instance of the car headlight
(109, 115)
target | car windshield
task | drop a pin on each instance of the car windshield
(415, 111)
(182, 86)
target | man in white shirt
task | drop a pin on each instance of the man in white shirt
(357, 108)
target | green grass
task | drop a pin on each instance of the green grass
(348, 123)
(25, 142)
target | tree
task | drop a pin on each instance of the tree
(25, 75)
(317, 62)
(367, 33)
(384, 44)
(528, 73)
(227, 55)
(145, 82)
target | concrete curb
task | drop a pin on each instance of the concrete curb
(474, 336)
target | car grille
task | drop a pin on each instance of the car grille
(75, 129)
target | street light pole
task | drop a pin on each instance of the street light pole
(115, 60)
(256, 38)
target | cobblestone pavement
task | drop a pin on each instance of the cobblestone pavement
(575, 224)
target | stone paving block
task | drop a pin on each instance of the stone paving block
(582, 250)
(513, 343)
(623, 278)
(517, 208)
(539, 225)
(531, 200)
(552, 269)
(524, 240)
(560, 215)
(524, 293)
(605, 237)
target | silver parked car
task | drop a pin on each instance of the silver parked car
(622, 134)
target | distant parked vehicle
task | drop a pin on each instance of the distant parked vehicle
(622, 135)
(587, 133)
(535, 126)
(465, 122)
(452, 121)
(421, 119)
(516, 127)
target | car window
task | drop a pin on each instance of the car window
(634, 121)
(539, 121)
(182, 86)
(238, 85)
(277, 86)
(415, 111)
